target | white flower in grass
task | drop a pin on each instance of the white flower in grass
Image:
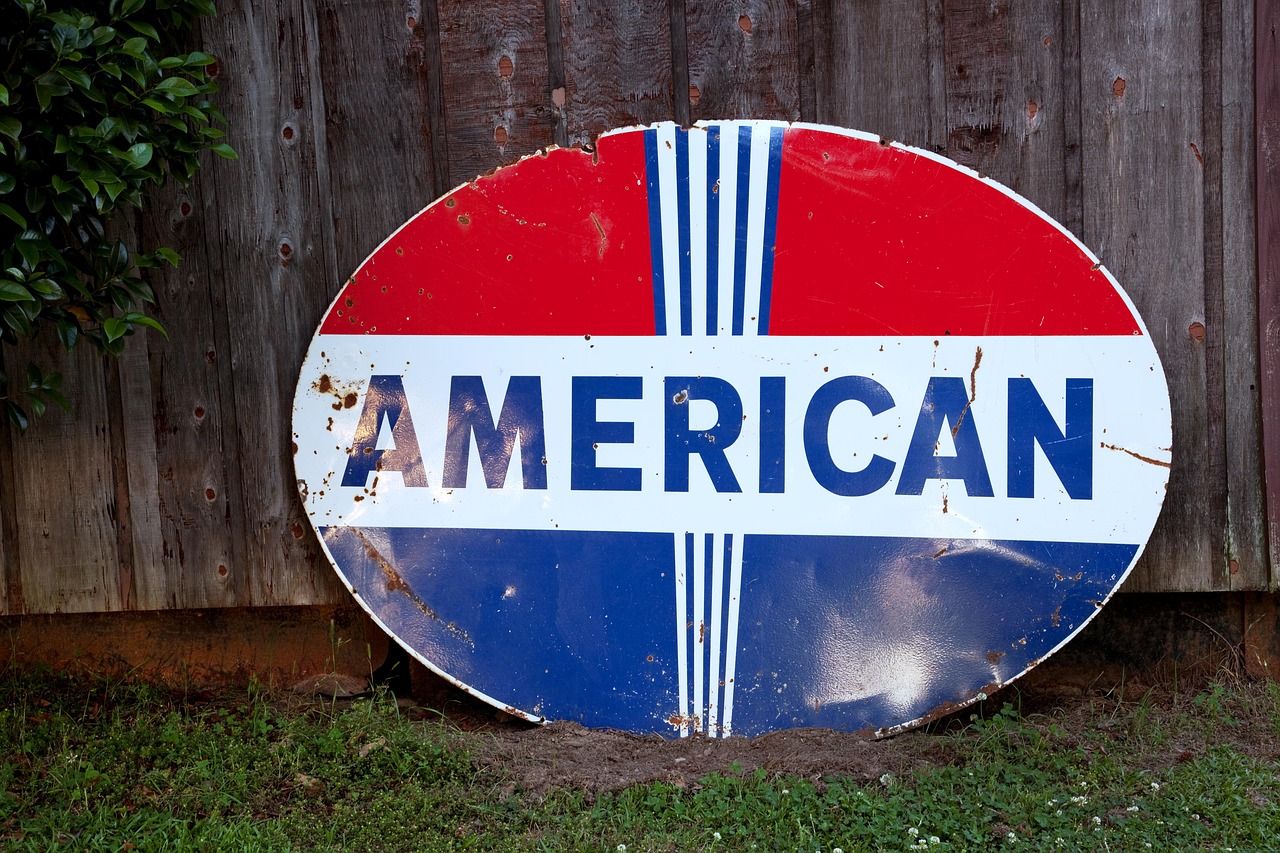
(1155, 786)
(913, 832)
(622, 848)
(1097, 821)
(716, 836)
(933, 839)
(1132, 809)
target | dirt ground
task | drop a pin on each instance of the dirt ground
(538, 759)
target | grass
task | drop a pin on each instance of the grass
(91, 765)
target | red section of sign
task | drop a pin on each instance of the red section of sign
(558, 246)
(876, 240)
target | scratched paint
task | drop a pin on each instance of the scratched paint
(729, 429)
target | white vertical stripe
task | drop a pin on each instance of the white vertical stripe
(731, 653)
(717, 634)
(698, 227)
(670, 204)
(755, 227)
(682, 619)
(699, 629)
(728, 200)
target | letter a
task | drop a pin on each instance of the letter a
(385, 403)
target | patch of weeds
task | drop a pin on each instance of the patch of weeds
(110, 766)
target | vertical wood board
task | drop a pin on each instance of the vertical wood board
(273, 254)
(879, 68)
(63, 491)
(173, 425)
(617, 66)
(1006, 96)
(378, 125)
(1267, 148)
(743, 59)
(498, 104)
(1141, 112)
(1248, 565)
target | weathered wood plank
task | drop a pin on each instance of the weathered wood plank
(1006, 98)
(172, 423)
(879, 68)
(1267, 195)
(63, 491)
(806, 22)
(743, 59)
(498, 103)
(1144, 216)
(617, 65)
(1248, 563)
(1209, 156)
(272, 258)
(681, 90)
(10, 567)
(377, 125)
(555, 71)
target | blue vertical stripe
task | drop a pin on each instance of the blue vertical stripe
(655, 230)
(770, 227)
(713, 229)
(682, 206)
(740, 241)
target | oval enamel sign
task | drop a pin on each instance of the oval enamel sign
(729, 429)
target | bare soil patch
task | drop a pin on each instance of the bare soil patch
(539, 759)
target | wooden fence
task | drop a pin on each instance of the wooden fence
(1132, 122)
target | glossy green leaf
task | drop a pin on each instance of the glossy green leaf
(140, 154)
(11, 291)
(114, 328)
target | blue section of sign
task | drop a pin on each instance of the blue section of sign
(770, 226)
(841, 632)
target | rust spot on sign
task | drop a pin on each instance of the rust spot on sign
(1146, 459)
(993, 656)
(324, 384)
(349, 400)
(595, 220)
(973, 390)
(395, 583)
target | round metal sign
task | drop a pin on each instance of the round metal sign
(732, 428)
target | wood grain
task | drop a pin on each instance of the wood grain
(1141, 113)
(1248, 560)
(1267, 196)
(617, 65)
(385, 153)
(273, 256)
(498, 104)
(1006, 97)
(743, 59)
(63, 491)
(879, 68)
(11, 599)
(171, 425)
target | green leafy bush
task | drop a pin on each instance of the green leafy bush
(98, 102)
